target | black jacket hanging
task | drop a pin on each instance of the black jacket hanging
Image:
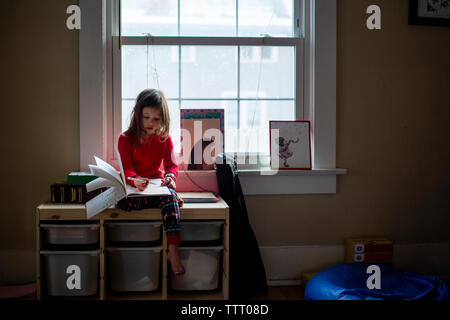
(247, 276)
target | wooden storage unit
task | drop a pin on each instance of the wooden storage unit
(49, 212)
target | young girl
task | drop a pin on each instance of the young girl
(146, 150)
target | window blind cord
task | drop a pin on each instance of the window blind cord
(266, 35)
(154, 68)
(155, 74)
(258, 85)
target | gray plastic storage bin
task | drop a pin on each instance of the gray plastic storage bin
(71, 273)
(71, 233)
(141, 231)
(134, 269)
(201, 230)
(202, 266)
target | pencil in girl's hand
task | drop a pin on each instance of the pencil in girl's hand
(136, 179)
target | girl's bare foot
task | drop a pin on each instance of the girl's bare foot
(180, 201)
(174, 257)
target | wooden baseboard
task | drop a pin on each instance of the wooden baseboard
(426, 258)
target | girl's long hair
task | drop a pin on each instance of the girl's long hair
(149, 98)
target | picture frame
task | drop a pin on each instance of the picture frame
(429, 12)
(290, 146)
(206, 120)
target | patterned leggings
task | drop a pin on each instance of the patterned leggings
(169, 208)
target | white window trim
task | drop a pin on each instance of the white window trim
(93, 86)
(97, 92)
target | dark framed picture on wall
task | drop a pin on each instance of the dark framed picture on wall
(202, 137)
(290, 145)
(429, 12)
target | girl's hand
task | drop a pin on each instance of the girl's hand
(168, 181)
(141, 183)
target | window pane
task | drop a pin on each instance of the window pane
(207, 18)
(209, 72)
(254, 122)
(267, 72)
(149, 67)
(259, 17)
(157, 17)
(231, 119)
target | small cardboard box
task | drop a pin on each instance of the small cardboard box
(368, 250)
(361, 245)
(371, 257)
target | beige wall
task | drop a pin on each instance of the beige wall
(393, 112)
(392, 129)
(39, 106)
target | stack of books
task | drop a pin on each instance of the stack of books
(369, 250)
(74, 191)
(80, 178)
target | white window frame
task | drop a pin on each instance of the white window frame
(99, 38)
(297, 42)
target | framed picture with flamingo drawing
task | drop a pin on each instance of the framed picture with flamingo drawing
(290, 145)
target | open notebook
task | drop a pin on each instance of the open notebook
(118, 188)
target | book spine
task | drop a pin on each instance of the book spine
(76, 197)
(52, 192)
(80, 194)
(77, 180)
(57, 194)
(63, 198)
(64, 193)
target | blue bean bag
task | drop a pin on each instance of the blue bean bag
(349, 282)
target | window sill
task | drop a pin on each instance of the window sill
(314, 172)
(289, 182)
(282, 182)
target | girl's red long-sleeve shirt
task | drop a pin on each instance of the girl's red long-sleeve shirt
(154, 158)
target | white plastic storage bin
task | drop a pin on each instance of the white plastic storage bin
(141, 231)
(201, 230)
(71, 273)
(71, 234)
(202, 266)
(134, 269)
